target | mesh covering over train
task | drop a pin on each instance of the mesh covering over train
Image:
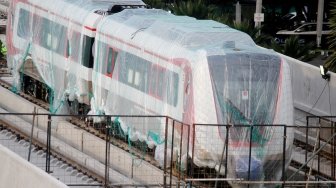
(120, 58)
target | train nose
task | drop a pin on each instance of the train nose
(242, 168)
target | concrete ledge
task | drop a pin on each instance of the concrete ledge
(311, 93)
(17, 173)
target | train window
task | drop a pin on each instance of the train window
(45, 34)
(87, 51)
(111, 59)
(153, 81)
(51, 35)
(68, 49)
(74, 47)
(137, 79)
(23, 29)
(162, 83)
(133, 72)
(106, 59)
(130, 76)
(158, 83)
(242, 80)
(172, 88)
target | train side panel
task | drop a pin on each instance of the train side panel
(52, 46)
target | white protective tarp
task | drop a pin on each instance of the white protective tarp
(150, 62)
(56, 36)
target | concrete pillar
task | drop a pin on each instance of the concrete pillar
(238, 13)
(320, 12)
(258, 10)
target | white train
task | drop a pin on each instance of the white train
(120, 58)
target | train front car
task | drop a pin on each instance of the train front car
(251, 92)
(150, 62)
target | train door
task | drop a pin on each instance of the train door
(186, 93)
(87, 51)
(84, 77)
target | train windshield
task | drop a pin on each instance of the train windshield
(245, 89)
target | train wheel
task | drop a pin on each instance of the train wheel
(73, 107)
(28, 85)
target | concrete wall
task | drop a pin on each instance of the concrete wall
(312, 94)
(17, 173)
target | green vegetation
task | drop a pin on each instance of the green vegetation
(331, 62)
(159, 4)
(3, 50)
(294, 49)
(222, 11)
(196, 8)
(255, 33)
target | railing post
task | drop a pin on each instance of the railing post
(48, 144)
(250, 154)
(165, 155)
(188, 143)
(318, 146)
(333, 166)
(306, 153)
(222, 156)
(227, 149)
(171, 156)
(193, 153)
(284, 155)
(180, 159)
(31, 134)
(107, 151)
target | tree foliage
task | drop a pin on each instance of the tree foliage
(194, 8)
(293, 48)
(214, 10)
(247, 27)
(331, 61)
(159, 4)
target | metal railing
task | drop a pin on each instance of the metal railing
(240, 142)
(109, 143)
(160, 151)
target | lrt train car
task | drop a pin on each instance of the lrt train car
(120, 58)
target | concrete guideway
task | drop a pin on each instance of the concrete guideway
(24, 172)
(63, 148)
(312, 95)
(59, 169)
(83, 147)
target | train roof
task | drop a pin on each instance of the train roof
(85, 4)
(78, 10)
(184, 31)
